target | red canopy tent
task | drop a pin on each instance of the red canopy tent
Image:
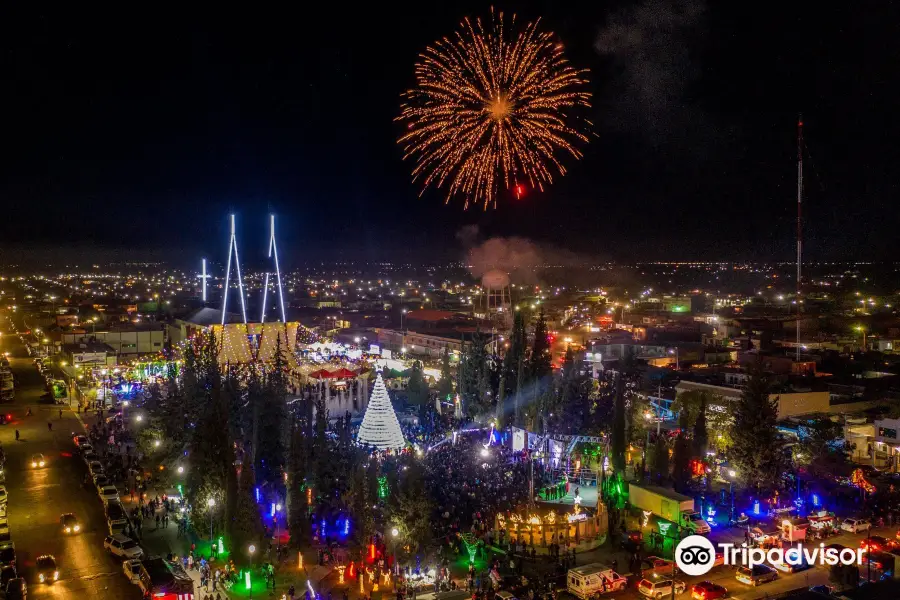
(343, 373)
(320, 374)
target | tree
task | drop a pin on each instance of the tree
(512, 371)
(756, 452)
(298, 517)
(361, 497)
(618, 426)
(445, 385)
(701, 437)
(246, 526)
(539, 368)
(410, 507)
(821, 445)
(660, 461)
(417, 388)
(681, 456)
(574, 386)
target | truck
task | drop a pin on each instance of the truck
(594, 578)
(163, 580)
(669, 505)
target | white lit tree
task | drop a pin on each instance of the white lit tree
(380, 427)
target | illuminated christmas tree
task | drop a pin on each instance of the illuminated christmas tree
(380, 427)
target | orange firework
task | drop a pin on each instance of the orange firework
(493, 107)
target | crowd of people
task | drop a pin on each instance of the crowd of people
(472, 483)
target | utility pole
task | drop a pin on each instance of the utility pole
(799, 223)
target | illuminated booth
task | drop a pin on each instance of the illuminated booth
(541, 525)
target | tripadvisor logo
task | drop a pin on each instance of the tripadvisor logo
(695, 555)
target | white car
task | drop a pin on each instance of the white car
(856, 525)
(123, 546)
(95, 467)
(132, 570)
(108, 492)
(38, 461)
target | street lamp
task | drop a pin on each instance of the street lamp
(862, 330)
(180, 470)
(731, 475)
(394, 534)
(139, 418)
(252, 549)
(210, 503)
(402, 314)
(677, 362)
(275, 518)
(156, 443)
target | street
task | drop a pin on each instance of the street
(724, 575)
(37, 497)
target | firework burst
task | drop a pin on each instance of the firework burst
(493, 107)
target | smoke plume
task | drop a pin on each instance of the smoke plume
(525, 261)
(650, 48)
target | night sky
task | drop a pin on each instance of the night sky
(136, 133)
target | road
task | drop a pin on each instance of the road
(37, 497)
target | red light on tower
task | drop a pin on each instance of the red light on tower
(520, 191)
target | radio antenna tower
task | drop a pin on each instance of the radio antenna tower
(273, 251)
(799, 223)
(232, 243)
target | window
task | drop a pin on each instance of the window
(888, 433)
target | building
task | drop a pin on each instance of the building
(791, 404)
(88, 355)
(416, 344)
(130, 340)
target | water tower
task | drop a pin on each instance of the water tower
(495, 303)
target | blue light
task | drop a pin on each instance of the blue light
(273, 509)
(347, 526)
(257, 495)
(756, 507)
(322, 529)
(815, 499)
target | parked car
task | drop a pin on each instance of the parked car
(856, 525)
(877, 543)
(7, 573)
(16, 589)
(707, 590)
(95, 467)
(108, 492)
(132, 568)
(122, 546)
(759, 574)
(80, 440)
(660, 588)
(4, 496)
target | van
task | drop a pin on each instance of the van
(595, 578)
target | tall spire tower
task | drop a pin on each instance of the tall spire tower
(233, 249)
(273, 252)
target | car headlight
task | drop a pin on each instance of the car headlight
(77, 527)
(42, 463)
(68, 530)
(33, 464)
(41, 577)
(55, 575)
